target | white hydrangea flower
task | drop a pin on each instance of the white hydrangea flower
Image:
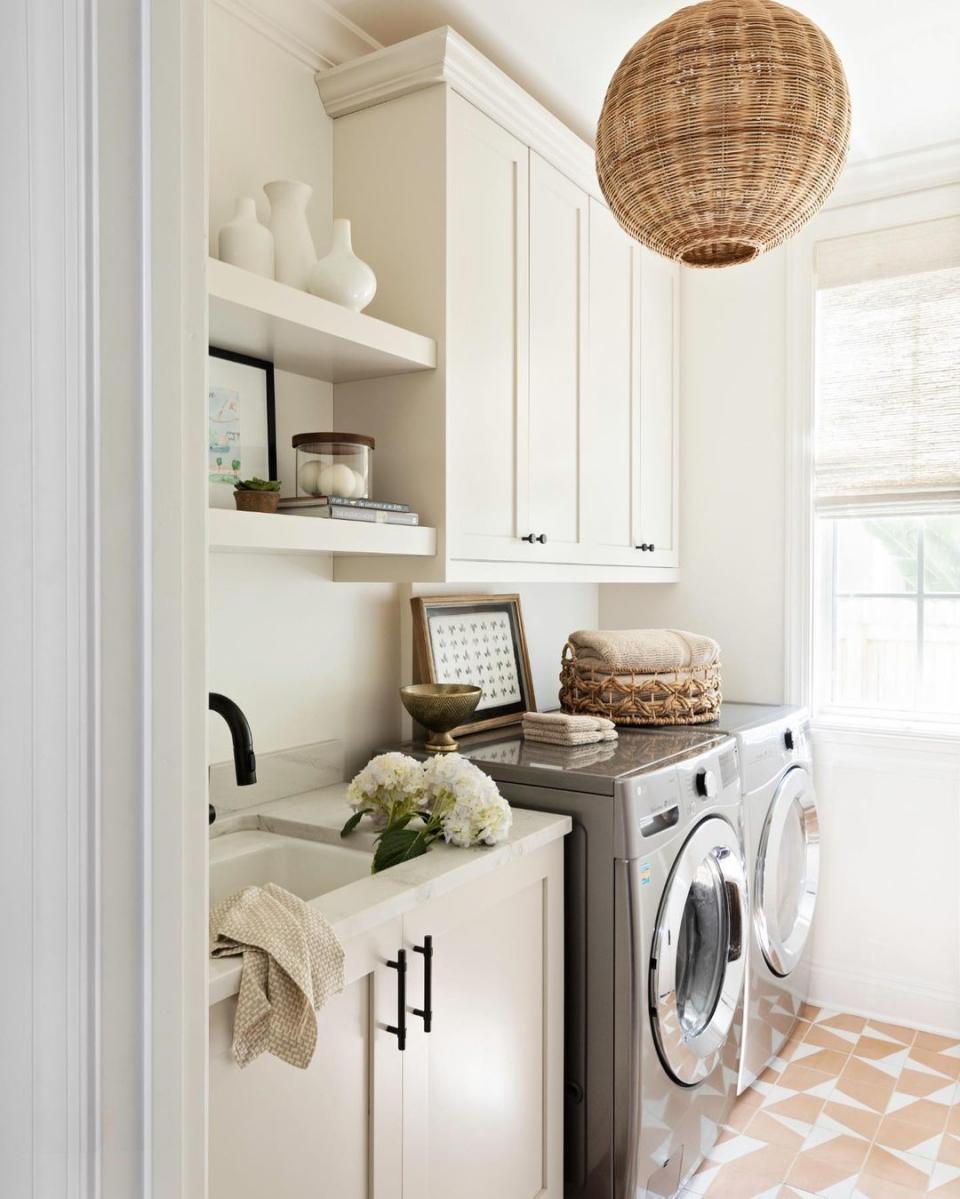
(471, 809)
(391, 784)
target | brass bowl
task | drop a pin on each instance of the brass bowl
(440, 707)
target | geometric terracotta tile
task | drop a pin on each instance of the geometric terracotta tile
(922, 1085)
(877, 1188)
(878, 1049)
(821, 1177)
(795, 1039)
(777, 1130)
(895, 1133)
(893, 1165)
(844, 1116)
(827, 1061)
(949, 1150)
(844, 1022)
(933, 1062)
(945, 1181)
(867, 1086)
(797, 1077)
(840, 1149)
(929, 1117)
(947, 1045)
(804, 1109)
(838, 1039)
(893, 1032)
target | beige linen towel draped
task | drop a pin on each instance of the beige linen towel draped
(292, 964)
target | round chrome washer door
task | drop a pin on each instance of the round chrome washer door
(697, 963)
(788, 871)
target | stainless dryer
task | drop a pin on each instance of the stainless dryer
(655, 916)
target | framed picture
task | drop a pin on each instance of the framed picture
(477, 639)
(242, 423)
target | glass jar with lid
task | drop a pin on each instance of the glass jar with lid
(337, 464)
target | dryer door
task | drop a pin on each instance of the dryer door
(788, 867)
(697, 962)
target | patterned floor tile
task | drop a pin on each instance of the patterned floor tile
(877, 1188)
(894, 1165)
(851, 1108)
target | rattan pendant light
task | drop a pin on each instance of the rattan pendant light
(723, 131)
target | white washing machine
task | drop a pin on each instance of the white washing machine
(782, 840)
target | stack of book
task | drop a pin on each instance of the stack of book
(335, 507)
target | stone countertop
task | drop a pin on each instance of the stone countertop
(360, 906)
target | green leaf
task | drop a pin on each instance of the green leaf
(397, 845)
(354, 821)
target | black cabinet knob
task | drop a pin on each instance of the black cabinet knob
(645, 547)
(532, 537)
(542, 539)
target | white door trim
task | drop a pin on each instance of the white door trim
(102, 596)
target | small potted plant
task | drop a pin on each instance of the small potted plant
(257, 495)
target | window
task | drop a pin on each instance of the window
(887, 474)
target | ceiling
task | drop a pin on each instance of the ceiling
(902, 59)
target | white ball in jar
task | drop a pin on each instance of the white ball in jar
(337, 479)
(359, 484)
(309, 477)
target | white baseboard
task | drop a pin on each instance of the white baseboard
(885, 997)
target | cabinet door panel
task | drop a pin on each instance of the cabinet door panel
(558, 280)
(487, 334)
(657, 517)
(483, 1090)
(609, 482)
(308, 1134)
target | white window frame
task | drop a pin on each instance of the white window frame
(904, 189)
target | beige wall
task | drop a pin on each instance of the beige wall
(732, 428)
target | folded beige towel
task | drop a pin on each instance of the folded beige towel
(565, 721)
(587, 737)
(646, 651)
(292, 964)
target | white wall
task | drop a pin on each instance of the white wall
(308, 659)
(732, 421)
(887, 936)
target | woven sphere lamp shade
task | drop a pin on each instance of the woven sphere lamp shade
(723, 131)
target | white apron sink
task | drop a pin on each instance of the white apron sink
(306, 868)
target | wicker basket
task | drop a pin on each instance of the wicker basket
(688, 695)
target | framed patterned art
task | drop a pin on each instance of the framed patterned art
(477, 639)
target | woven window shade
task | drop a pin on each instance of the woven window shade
(888, 366)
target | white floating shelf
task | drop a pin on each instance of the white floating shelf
(277, 533)
(304, 334)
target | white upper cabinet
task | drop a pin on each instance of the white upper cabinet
(558, 323)
(611, 428)
(487, 305)
(658, 474)
(544, 446)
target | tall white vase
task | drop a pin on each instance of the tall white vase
(294, 251)
(342, 276)
(244, 242)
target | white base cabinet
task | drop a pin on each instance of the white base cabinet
(472, 1108)
(544, 446)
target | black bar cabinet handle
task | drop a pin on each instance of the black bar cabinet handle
(426, 1012)
(399, 1029)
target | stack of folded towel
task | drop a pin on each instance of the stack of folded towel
(560, 728)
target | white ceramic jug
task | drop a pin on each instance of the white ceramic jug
(244, 242)
(342, 276)
(294, 252)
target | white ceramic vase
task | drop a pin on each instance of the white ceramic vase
(294, 253)
(342, 276)
(244, 242)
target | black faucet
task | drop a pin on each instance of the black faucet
(244, 759)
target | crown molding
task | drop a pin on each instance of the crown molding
(311, 31)
(898, 174)
(443, 56)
